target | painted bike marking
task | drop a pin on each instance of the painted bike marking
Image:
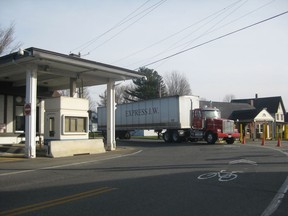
(222, 175)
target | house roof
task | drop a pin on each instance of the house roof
(271, 103)
(244, 115)
(227, 108)
(54, 70)
(246, 110)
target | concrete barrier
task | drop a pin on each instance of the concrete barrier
(65, 148)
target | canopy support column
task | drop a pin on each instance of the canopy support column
(73, 87)
(111, 142)
(30, 111)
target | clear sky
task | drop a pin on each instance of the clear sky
(135, 33)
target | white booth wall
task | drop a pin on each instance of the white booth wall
(66, 118)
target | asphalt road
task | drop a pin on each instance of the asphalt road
(150, 178)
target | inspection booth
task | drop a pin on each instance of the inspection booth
(29, 78)
(66, 128)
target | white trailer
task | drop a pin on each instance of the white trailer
(156, 114)
(178, 118)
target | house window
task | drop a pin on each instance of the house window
(260, 128)
(75, 124)
(282, 117)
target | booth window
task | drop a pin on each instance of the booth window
(75, 124)
(51, 126)
(20, 119)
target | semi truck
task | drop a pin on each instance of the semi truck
(177, 118)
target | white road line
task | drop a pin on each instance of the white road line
(241, 161)
(275, 203)
(72, 164)
(17, 172)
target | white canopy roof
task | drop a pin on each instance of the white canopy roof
(55, 69)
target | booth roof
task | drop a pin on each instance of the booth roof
(55, 69)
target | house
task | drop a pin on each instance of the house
(256, 116)
(268, 117)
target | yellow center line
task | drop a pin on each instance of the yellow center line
(59, 201)
(8, 159)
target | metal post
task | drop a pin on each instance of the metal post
(241, 133)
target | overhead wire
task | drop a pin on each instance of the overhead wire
(125, 20)
(152, 8)
(213, 19)
(121, 22)
(211, 31)
(214, 39)
(178, 32)
(188, 43)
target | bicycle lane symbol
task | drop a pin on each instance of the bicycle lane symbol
(222, 175)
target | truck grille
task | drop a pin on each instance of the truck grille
(228, 126)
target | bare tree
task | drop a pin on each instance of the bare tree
(64, 92)
(228, 98)
(7, 40)
(85, 94)
(177, 84)
(121, 95)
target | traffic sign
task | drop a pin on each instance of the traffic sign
(27, 109)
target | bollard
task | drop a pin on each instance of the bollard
(263, 140)
(243, 140)
(279, 136)
(279, 142)
(263, 134)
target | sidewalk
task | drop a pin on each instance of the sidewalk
(18, 150)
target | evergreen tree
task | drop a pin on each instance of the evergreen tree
(152, 87)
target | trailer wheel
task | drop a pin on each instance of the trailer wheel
(210, 138)
(127, 135)
(167, 137)
(175, 137)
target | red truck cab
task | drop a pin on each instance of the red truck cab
(208, 123)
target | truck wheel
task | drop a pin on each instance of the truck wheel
(175, 137)
(210, 138)
(167, 137)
